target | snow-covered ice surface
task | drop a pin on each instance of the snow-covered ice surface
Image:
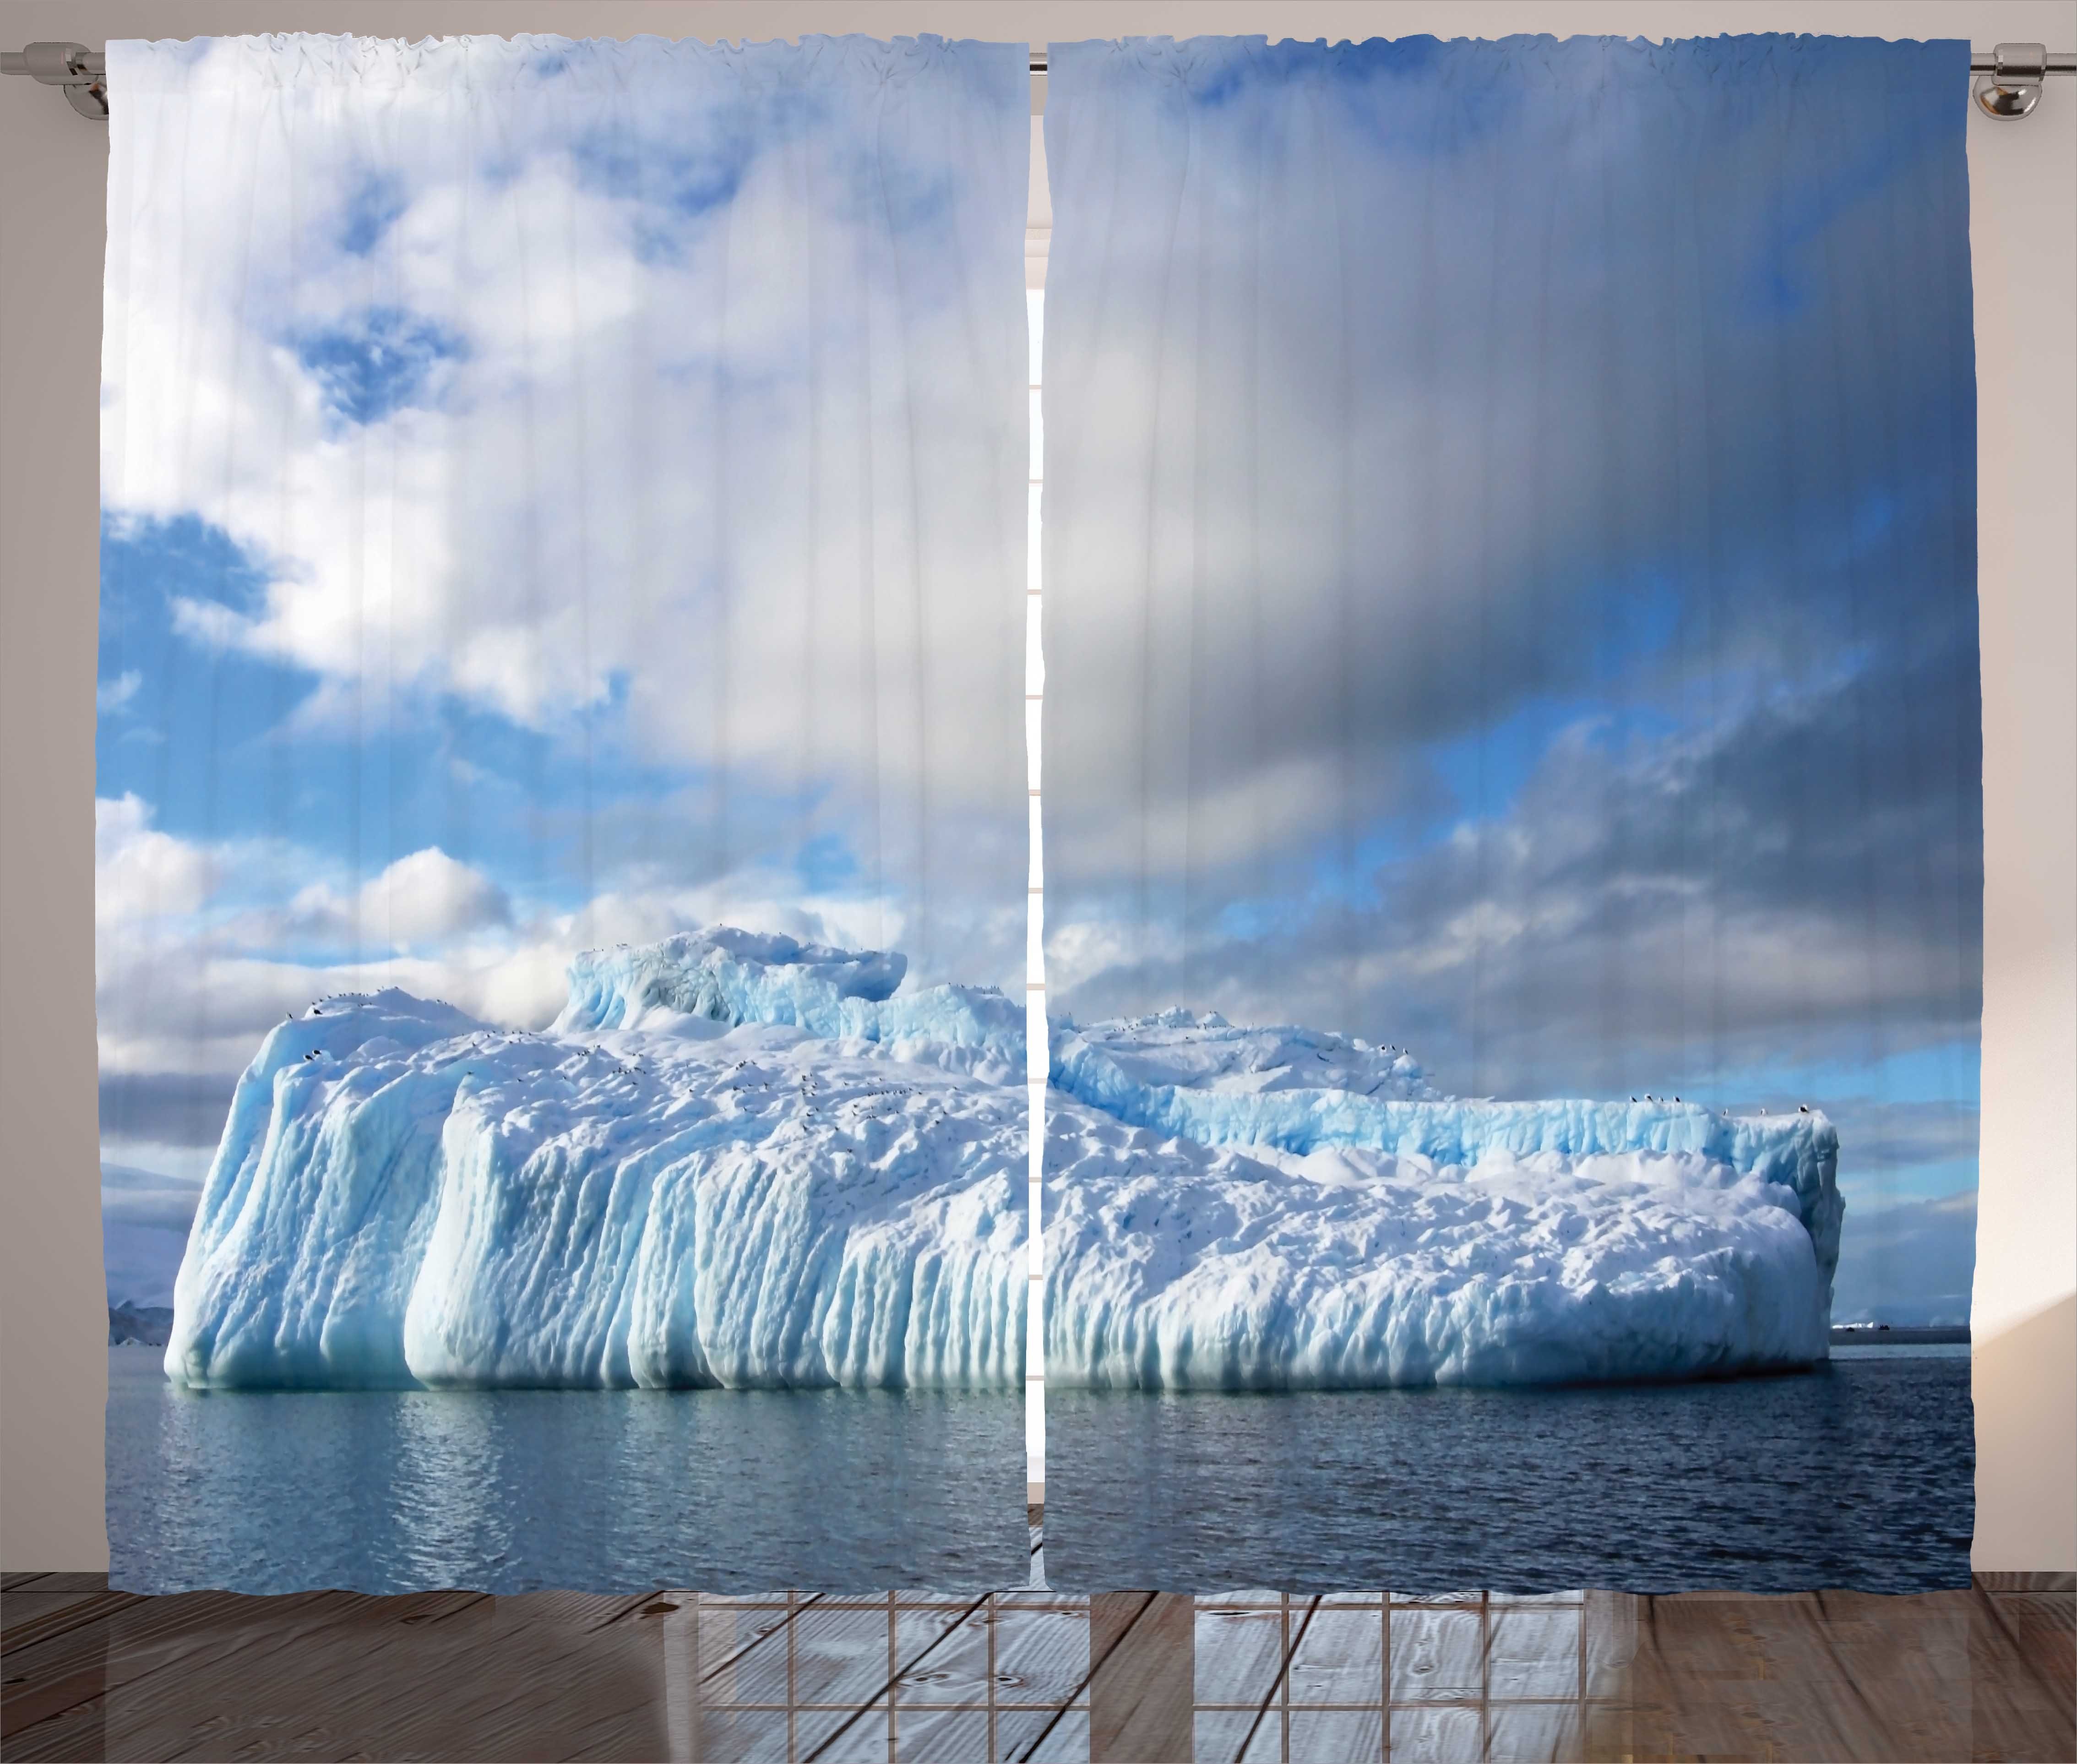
(1233, 1208)
(1210, 1056)
(739, 1160)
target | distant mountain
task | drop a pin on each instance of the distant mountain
(149, 1324)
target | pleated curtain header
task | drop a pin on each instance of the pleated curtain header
(504, 64)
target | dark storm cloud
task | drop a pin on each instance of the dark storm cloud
(148, 1198)
(1363, 445)
(166, 1108)
(1511, 575)
(1897, 1135)
(1793, 885)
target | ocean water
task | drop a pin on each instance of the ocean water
(1859, 1474)
(514, 1491)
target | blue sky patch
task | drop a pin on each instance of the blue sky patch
(378, 361)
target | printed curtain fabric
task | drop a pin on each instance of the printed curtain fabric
(561, 831)
(1513, 817)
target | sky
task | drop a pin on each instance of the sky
(1509, 536)
(544, 520)
(1510, 577)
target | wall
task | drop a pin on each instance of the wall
(2023, 231)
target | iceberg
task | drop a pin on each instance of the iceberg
(731, 1162)
(747, 1162)
(1271, 1208)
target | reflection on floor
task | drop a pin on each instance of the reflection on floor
(1154, 1678)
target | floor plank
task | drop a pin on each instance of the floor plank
(27, 1607)
(1142, 1652)
(1989, 1673)
(2023, 1660)
(46, 1581)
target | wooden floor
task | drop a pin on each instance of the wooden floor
(1153, 1678)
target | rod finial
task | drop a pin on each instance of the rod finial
(2012, 87)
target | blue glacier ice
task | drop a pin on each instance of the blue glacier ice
(732, 977)
(744, 1161)
(715, 1196)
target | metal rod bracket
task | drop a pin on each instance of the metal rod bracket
(2010, 87)
(81, 72)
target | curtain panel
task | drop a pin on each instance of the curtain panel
(1513, 814)
(561, 832)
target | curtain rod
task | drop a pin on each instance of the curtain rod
(2009, 86)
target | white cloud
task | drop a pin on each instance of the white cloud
(759, 468)
(426, 898)
(113, 695)
(140, 873)
(190, 976)
(188, 980)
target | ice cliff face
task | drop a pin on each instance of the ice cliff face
(744, 1161)
(715, 1197)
